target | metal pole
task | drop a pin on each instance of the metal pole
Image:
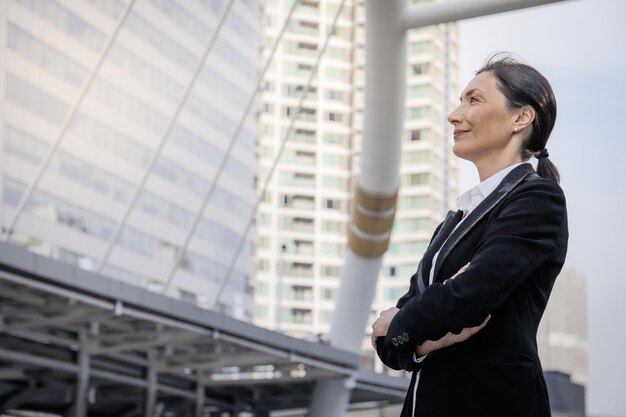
(433, 13)
(385, 72)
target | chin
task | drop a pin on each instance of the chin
(459, 152)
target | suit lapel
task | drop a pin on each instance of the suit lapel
(508, 183)
(451, 220)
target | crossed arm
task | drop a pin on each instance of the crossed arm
(526, 232)
(381, 325)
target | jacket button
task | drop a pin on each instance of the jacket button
(400, 340)
(394, 342)
(405, 337)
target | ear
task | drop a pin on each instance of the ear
(524, 116)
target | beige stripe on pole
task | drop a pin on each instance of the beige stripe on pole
(372, 220)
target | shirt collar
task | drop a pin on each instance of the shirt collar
(470, 199)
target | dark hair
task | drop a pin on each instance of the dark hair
(522, 85)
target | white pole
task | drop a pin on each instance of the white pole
(385, 72)
(433, 13)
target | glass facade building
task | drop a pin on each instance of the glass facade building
(151, 87)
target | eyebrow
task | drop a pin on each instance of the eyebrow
(469, 93)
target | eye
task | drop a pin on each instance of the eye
(473, 99)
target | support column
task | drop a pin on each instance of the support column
(200, 397)
(82, 385)
(375, 194)
(151, 392)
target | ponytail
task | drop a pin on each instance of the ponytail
(545, 167)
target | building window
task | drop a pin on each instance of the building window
(333, 204)
(334, 95)
(326, 316)
(261, 288)
(262, 265)
(333, 249)
(419, 69)
(333, 182)
(414, 225)
(328, 293)
(419, 91)
(329, 160)
(331, 226)
(331, 271)
(418, 112)
(414, 179)
(260, 312)
(412, 202)
(394, 293)
(421, 47)
(34, 100)
(415, 157)
(406, 248)
(334, 138)
(299, 315)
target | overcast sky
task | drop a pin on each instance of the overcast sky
(580, 46)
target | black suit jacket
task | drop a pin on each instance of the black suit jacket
(516, 241)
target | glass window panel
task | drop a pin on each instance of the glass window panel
(44, 56)
(34, 100)
(68, 22)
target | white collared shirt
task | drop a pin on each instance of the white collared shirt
(467, 202)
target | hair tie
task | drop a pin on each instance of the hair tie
(542, 154)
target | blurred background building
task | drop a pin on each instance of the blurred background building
(50, 49)
(302, 222)
(564, 345)
(562, 336)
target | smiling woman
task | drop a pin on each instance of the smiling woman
(467, 327)
(505, 108)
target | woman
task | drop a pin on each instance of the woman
(467, 327)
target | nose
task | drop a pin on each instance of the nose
(455, 116)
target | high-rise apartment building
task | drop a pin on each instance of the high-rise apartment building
(49, 51)
(301, 224)
(562, 334)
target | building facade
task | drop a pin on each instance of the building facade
(562, 336)
(301, 224)
(135, 111)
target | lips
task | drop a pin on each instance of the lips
(459, 132)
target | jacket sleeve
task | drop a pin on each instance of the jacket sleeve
(525, 234)
(385, 355)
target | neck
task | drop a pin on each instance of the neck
(488, 167)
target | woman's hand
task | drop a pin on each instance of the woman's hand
(449, 339)
(381, 325)
(459, 272)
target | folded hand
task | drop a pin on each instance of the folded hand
(381, 325)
